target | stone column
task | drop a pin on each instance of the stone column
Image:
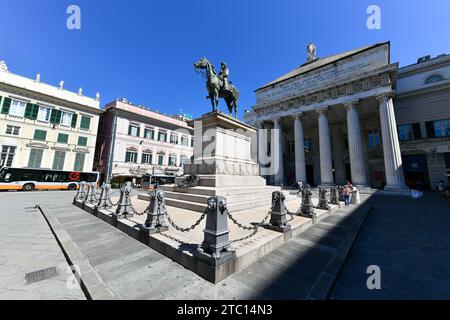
(357, 165)
(395, 180)
(300, 163)
(277, 151)
(326, 162)
(262, 144)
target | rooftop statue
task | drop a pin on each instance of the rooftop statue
(218, 85)
(311, 48)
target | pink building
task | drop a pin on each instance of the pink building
(133, 140)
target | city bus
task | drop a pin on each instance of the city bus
(43, 179)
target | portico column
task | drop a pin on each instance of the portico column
(300, 164)
(395, 180)
(277, 151)
(261, 143)
(326, 164)
(357, 166)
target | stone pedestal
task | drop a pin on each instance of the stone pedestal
(225, 161)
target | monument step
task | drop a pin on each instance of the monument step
(224, 191)
(230, 198)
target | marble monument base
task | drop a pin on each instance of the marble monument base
(224, 164)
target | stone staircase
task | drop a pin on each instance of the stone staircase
(238, 198)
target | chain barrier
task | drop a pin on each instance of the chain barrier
(135, 211)
(255, 228)
(192, 227)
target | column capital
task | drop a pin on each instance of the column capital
(297, 116)
(351, 104)
(385, 96)
(322, 110)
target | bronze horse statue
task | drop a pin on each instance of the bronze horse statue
(214, 85)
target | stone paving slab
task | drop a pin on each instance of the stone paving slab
(132, 270)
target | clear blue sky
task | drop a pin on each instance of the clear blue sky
(145, 50)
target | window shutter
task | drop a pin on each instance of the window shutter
(34, 112)
(74, 120)
(55, 116)
(85, 122)
(28, 110)
(6, 105)
(138, 131)
(129, 130)
(430, 129)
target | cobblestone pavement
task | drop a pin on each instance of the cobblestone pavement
(27, 245)
(409, 240)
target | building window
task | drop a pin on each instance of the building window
(149, 133)
(174, 138)
(40, 135)
(44, 114)
(17, 108)
(374, 139)
(63, 138)
(66, 118)
(162, 136)
(184, 141)
(85, 123)
(79, 162)
(409, 132)
(183, 160)
(434, 78)
(12, 130)
(439, 128)
(58, 160)
(172, 160)
(82, 141)
(160, 159)
(134, 130)
(131, 156)
(146, 158)
(192, 143)
(35, 158)
(7, 155)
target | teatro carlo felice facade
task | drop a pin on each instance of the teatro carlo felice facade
(323, 110)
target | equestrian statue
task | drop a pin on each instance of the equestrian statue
(218, 85)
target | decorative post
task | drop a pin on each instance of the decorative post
(333, 195)
(81, 192)
(307, 208)
(124, 206)
(91, 195)
(156, 213)
(216, 247)
(88, 193)
(323, 204)
(104, 196)
(278, 220)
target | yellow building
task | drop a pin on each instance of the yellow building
(43, 126)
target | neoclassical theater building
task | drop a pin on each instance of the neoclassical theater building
(337, 121)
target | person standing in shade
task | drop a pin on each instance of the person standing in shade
(345, 194)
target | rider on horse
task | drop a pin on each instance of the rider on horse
(224, 73)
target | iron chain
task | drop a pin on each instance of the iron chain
(185, 229)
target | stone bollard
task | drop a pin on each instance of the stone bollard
(334, 195)
(91, 194)
(278, 221)
(307, 208)
(216, 247)
(81, 192)
(124, 205)
(104, 196)
(323, 204)
(87, 193)
(156, 213)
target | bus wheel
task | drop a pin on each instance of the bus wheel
(72, 187)
(28, 187)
